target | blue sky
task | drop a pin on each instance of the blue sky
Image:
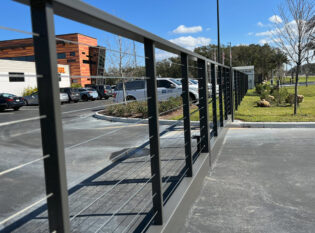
(240, 20)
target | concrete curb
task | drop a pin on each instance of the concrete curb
(138, 120)
(240, 124)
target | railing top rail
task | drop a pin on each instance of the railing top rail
(84, 13)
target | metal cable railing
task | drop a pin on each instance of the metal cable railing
(166, 160)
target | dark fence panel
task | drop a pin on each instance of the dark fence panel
(232, 84)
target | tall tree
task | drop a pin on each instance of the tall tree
(292, 35)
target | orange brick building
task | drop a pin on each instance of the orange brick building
(78, 51)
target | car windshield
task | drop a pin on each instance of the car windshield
(82, 89)
(193, 81)
(90, 89)
(6, 95)
(176, 81)
(74, 90)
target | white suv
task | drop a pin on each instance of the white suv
(166, 88)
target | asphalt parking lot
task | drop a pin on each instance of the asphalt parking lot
(89, 146)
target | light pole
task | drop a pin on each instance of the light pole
(218, 25)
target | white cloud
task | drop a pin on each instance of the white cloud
(263, 41)
(266, 33)
(160, 55)
(190, 42)
(208, 29)
(275, 19)
(260, 24)
(181, 29)
(250, 33)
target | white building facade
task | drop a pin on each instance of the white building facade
(250, 71)
(16, 76)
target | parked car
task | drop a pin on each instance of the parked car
(64, 98)
(193, 83)
(73, 94)
(32, 99)
(103, 91)
(166, 88)
(88, 94)
(10, 101)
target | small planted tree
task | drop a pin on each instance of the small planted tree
(293, 35)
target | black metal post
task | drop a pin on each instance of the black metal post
(49, 105)
(220, 95)
(236, 92)
(186, 113)
(232, 92)
(218, 25)
(226, 97)
(214, 100)
(153, 115)
(203, 106)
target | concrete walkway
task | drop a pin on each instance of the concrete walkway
(263, 181)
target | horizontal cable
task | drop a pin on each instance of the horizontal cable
(98, 47)
(102, 135)
(18, 30)
(123, 205)
(109, 77)
(165, 181)
(106, 105)
(24, 120)
(135, 218)
(153, 216)
(23, 165)
(179, 64)
(22, 75)
(25, 209)
(127, 177)
(173, 109)
(178, 182)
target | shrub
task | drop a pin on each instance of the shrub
(290, 99)
(280, 96)
(261, 88)
(263, 103)
(29, 90)
(76, 85)
(300, 98)
(140, 109)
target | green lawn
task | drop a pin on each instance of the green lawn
(248, 110)
(301, 79)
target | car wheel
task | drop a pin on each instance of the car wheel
(2, 109)
(93, 99)
(130, 98)
(85, 98)
(16, 108)
(192, 98)
(76, 101)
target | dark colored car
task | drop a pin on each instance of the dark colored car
(74, 94)
(10, 101)
(104, 91)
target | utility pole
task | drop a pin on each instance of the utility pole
(218, 22)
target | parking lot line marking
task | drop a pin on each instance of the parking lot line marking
(121, 126)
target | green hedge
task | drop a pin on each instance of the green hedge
(139, 109)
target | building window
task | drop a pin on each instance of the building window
(61, 55)
(16, 77)
(72, 54)
(59, 77)
(22, 58)
(70, 60)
